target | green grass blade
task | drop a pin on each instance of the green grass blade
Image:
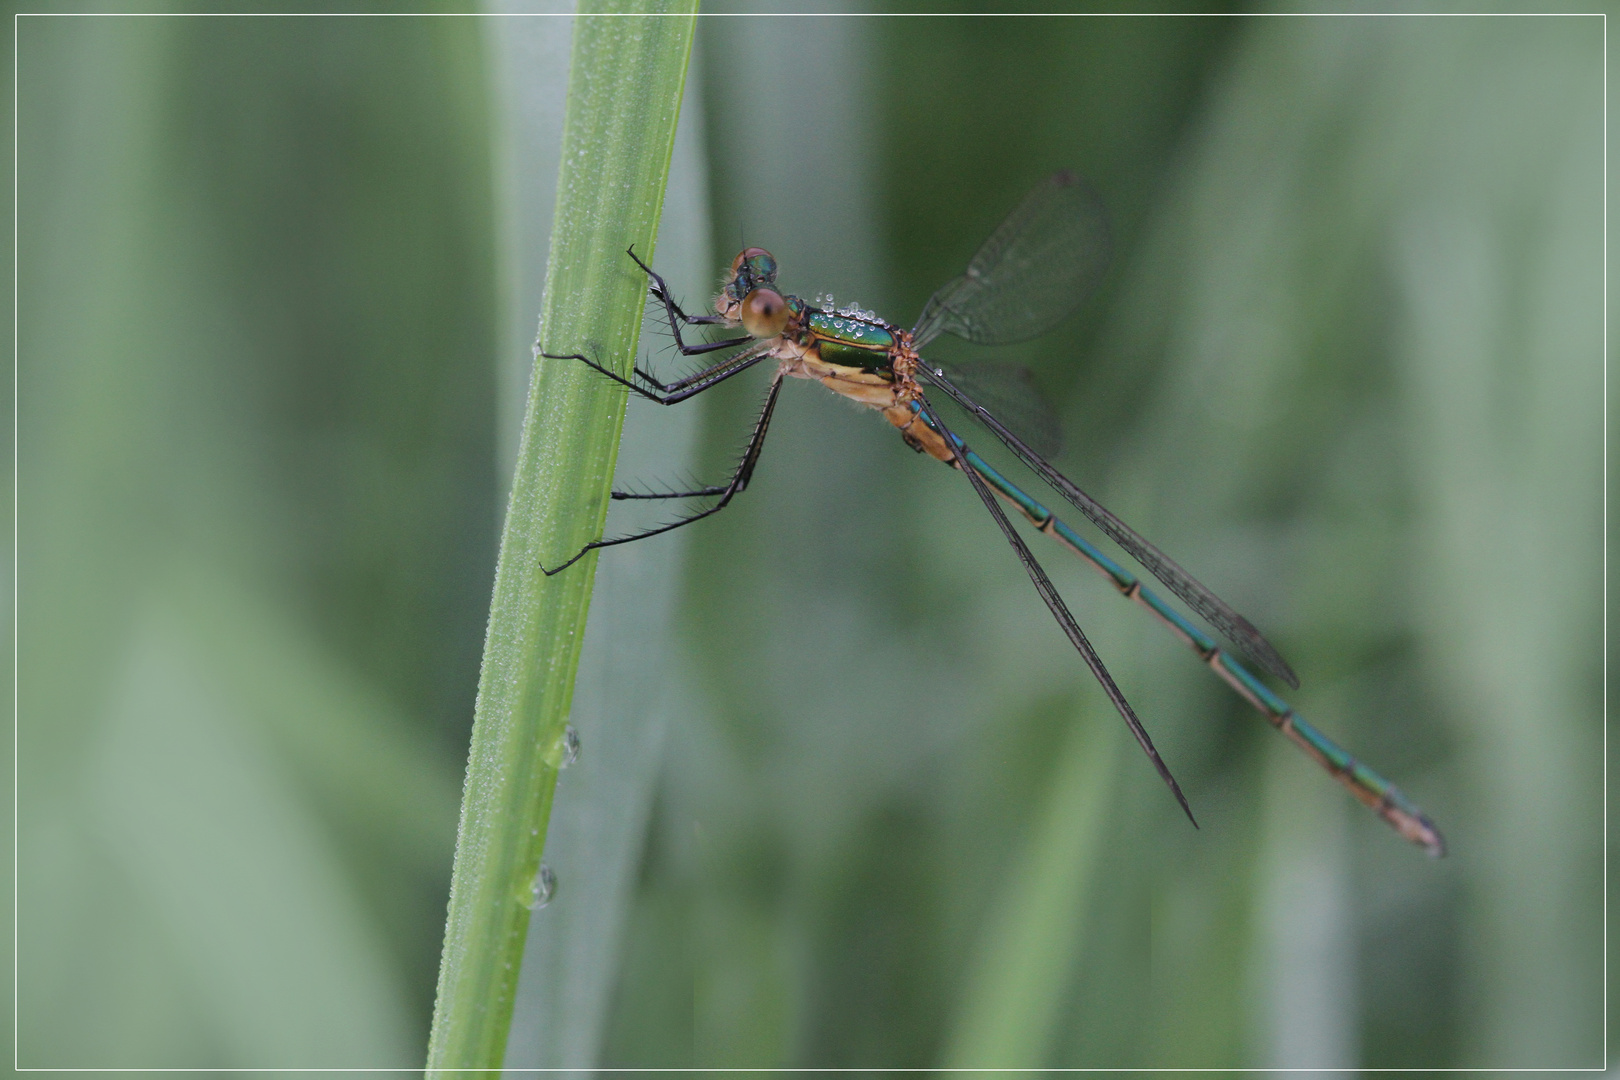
(624, 93)
(1014, 995)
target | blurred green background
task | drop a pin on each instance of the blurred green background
(847, 797)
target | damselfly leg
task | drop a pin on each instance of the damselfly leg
(738, 482)
(678, 318)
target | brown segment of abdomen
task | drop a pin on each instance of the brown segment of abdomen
(918, 435)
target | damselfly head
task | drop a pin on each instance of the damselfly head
(753, 268)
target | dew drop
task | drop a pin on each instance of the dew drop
(563, 751)
(543, 888)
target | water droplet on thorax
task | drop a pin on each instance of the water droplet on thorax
(542, 889)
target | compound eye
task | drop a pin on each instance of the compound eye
(764, 313)
(763, 265)
(746, 255)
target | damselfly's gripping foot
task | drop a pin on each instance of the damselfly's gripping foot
(659, 291)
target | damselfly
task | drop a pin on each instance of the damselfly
(1034, 270)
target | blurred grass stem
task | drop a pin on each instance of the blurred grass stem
(625, 81)
(1011, 1010)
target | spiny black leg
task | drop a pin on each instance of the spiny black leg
(717, 489)
(672, 311)
(674, 392)
(739, 481)
(660, 291)
(708, 346)
(1060, 612)
(705, 377)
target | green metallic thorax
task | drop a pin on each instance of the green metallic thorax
(849, 341)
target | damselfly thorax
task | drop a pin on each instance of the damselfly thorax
(851, 352)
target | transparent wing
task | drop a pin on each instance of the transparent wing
(1036, 268)
(1009, 392)
(1218, 612)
